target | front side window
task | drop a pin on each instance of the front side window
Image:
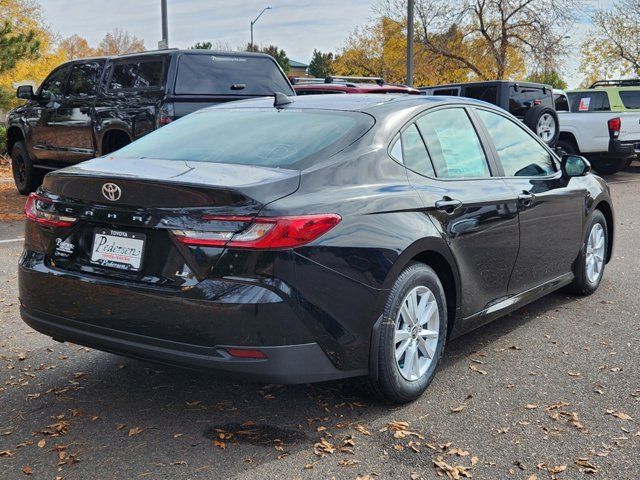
(83, 81)
(453, 144)
(53, 86)
(561, 102)
(520, 154)
(414, 152)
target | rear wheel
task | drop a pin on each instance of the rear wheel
(411, 337)
(26, 177)
(592, 258)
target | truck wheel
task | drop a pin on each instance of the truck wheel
(411, 336)
(26, 177)
(543, 121)
(608, 166)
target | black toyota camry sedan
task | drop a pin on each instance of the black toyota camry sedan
(309, 240)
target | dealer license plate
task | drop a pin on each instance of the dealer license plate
(115, 249)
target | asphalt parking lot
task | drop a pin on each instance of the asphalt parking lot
(551, 391)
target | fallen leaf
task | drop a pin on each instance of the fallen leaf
(476, 369)
(27, 470)
(530, 406)
(42, 443)
(135, 431)
(620, 415)
(456, 409)
(219, 444)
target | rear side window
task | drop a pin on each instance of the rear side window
(453, 144)
(630, 98)
(253, 136)
(200, 74)
(414, 152)
(521, 99)
(485, 93)
(589, 102)
(83, 81)
(520, 154)
(137, 74)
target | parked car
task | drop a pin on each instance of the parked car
(610, 140)
(335, 84)
(92, 107)
(331, 237)
(532, 103)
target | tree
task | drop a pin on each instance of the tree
(321, 64)
(202, 46)
(493, 36)
(75, 47)
(612, 48)
(15, 46)
(118, 42)
(278, 54)
(549, 77)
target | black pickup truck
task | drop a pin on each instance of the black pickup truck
(91, 107)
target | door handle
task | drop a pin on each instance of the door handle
(448, 205)
(526, 199)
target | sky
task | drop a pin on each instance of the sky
(297, 26)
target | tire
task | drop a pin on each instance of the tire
(586, 281)
(396, 381)
(567, 147)
(608, 167)
(543, 121)
(26, 177)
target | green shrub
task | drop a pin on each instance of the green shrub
(3, 140)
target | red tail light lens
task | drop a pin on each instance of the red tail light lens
(37, 209)
(614, 124)
(246, 353)
(264, 233)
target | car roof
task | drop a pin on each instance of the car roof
(366, 102)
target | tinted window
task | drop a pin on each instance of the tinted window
(265, 137)
(54, 85)
(83, 81)
(226, 74)
(414, 152)
(451, 92)
(124, 76)
(453, 144)
(589, 102)
(561, 103)
(519, 153)
(523, 98)
(149, 74)
(317, 92)
(630, 98)
(485, 93)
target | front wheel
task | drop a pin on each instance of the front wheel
(26, 177)
(411, 336)
(592, 258)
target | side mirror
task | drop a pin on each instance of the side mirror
(575, 165)
(25, 92)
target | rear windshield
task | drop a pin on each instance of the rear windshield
(200, 74)
(630, 98)
(286, 138)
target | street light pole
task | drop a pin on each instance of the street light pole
(164, 43)
(253, 23)
(410, 43)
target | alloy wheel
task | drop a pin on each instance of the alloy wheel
(546, 128)
(19, 169)
(416, 333)
(594, 258)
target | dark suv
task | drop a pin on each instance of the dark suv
(532, 103)
(91, 107)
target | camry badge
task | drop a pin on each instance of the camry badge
(111, 191)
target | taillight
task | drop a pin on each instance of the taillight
(246, 353)
(38, 209)
(166, 114)
(264, 233)
(614, 124)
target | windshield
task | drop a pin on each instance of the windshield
(252, 136)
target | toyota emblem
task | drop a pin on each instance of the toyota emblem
(111, 191)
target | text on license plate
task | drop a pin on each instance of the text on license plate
(117, 249)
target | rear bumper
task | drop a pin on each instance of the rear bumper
(289, 364)
(623, 149)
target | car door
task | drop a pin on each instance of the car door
(41, 115)
(74, 117)
(550, 207)
(475, 212)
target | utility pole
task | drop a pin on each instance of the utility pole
(164, 43)
(253, 23)
(410, 43)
